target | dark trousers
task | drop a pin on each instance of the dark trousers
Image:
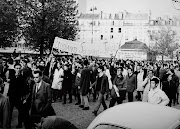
(139, 95)
(16, 102)
(130, 96)
(56, 94)
(119, 100)
(69, 92)
(99, 102)
(26, 117)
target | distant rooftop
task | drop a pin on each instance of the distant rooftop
(135, 44)
(89, 16)
(136, 16)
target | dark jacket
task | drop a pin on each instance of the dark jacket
(85, 81)
(104, 85)
(169, 88)
(16, 85)
(131, 83)
(120, 83)
(4, 112)
(41, 101)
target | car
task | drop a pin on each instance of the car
(137, 115)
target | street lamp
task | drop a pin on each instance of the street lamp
(92, 9)
(177, 2)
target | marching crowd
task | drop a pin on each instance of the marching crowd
(35, 83)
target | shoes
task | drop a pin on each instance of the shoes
(19, 126)
(85, 108)
(77, 103)
(95, 113)
(81, 106)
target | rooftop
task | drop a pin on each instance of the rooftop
(135, 44)
(89, 16)
(136, 16)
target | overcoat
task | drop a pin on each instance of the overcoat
(85, 81)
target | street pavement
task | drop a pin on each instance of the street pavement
(74, 113)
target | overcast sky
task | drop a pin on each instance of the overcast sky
(158, 7)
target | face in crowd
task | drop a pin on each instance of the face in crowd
(150, 74)
(119, 71)
(37, 77)
(17, 69)
(130, 72)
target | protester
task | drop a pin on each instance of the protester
(41, 97)
(131, 83)
(85, 85)
(156, 95)
(102, 86)
(118, 92)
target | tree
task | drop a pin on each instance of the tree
(166, 41)
(8, 24)
(42, 20)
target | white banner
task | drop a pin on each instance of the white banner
(78, 48)
(67, 45)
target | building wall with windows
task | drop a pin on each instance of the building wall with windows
(113, 30)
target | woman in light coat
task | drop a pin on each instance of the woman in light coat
(57, 81)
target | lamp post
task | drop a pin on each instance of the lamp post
(177, 2)
(92, 9)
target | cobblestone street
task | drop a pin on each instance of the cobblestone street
(73, 113)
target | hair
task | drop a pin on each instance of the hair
(172, 70)
(101, 67)
(121, 68)
(38, 72)
(86, 62)
(17, 64)
(151, 71)
(156, 80)
(10, 61)
(41, 68)
(25, 61)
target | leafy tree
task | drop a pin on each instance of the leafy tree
(166, 41)
(8, 24)
(42, 20)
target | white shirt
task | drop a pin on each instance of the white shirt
(38, 85)
(157, 96)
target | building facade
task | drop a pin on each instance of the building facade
(110, 31)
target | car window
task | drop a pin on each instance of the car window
(106, 126)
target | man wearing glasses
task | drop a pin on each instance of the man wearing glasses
(41, 97)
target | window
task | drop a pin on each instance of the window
(101, 37)
(111, 37)
(119, 30)
(112, 23)
(111, 30)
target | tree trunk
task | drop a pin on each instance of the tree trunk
(42, 36)
(42, 46)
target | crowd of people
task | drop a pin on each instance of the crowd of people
(35, 83)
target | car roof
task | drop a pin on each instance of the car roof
(139, 115)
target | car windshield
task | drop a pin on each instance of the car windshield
(107, 126)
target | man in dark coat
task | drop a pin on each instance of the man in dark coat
(41, 97)
(131, 82)
(102, 86)
(15, 92)
(85, 85)
(67, 83)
